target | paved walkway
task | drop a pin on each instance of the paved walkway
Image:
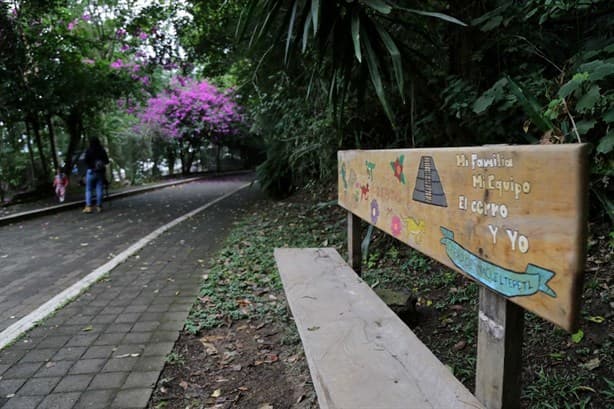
(107, 348)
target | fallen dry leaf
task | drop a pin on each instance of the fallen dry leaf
(243, 388)
(265, 406)
(459, 345)
(184, 385)
(216, 393)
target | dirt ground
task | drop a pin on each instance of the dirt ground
(246, 365)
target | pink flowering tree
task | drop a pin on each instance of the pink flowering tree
(192, 114)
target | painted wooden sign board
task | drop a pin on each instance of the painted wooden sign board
(512, 218)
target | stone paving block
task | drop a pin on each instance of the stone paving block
(10, 386)
(23, 402)
(54, 368)
(68, 329)
(172, 325)
(150, 363)
(124, 350)
(151, 316)
(137, 338)
(120, 364)
(157, 308)
(117, 328)
(99, 399)
(104, 318)
(24, 370)
(87, 366)
(132, 398)
(39, 386)
(38, 355)
(108, 380)
(164, 336)
(174, 316)
(60, 401)
(73, 383)
(112, 310)
(103, 351)
(143, 326)
(109, 339)
(56, 341)
(82, 319)
(128, 317)
(136, 308)
(141, 380)
(69, 353)
(3, 369)
(7, 358)
(82, 340)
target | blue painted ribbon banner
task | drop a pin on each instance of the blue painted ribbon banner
(505, 282)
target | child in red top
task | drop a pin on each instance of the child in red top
(60, 182)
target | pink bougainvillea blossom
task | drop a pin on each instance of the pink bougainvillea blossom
(73, 24)
(86, 17)
(193, 111)
(88, 61)
(117, 64)
(143, 36)
(120, 33)
(125, 47)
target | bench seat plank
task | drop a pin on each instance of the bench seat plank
(360, 354)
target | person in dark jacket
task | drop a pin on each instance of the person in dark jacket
(96, 159)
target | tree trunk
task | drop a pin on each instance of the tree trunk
(218, 151)
(40, 147)
(54, 151)
(31, 153)
(74, 126)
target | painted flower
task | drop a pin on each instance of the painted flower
(396, 226)
(374, 211)
(397, 167)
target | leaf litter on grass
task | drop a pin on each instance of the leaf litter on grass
(241, 296)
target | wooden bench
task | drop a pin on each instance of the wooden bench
(511, 218)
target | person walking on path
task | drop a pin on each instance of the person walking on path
(96, 159)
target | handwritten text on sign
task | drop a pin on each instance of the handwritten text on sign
(510, 217)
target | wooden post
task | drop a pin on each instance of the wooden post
(500, 330)
(354, 251)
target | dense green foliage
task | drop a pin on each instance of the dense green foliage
(319, 76)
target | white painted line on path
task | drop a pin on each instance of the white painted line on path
(12, 332)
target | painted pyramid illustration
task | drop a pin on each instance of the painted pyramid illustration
(428, 188)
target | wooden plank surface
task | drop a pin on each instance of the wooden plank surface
(513, 218)
(360, 354)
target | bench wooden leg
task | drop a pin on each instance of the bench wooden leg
(501, 324)
(354, 251)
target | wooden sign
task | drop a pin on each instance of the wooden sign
(511, 218)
